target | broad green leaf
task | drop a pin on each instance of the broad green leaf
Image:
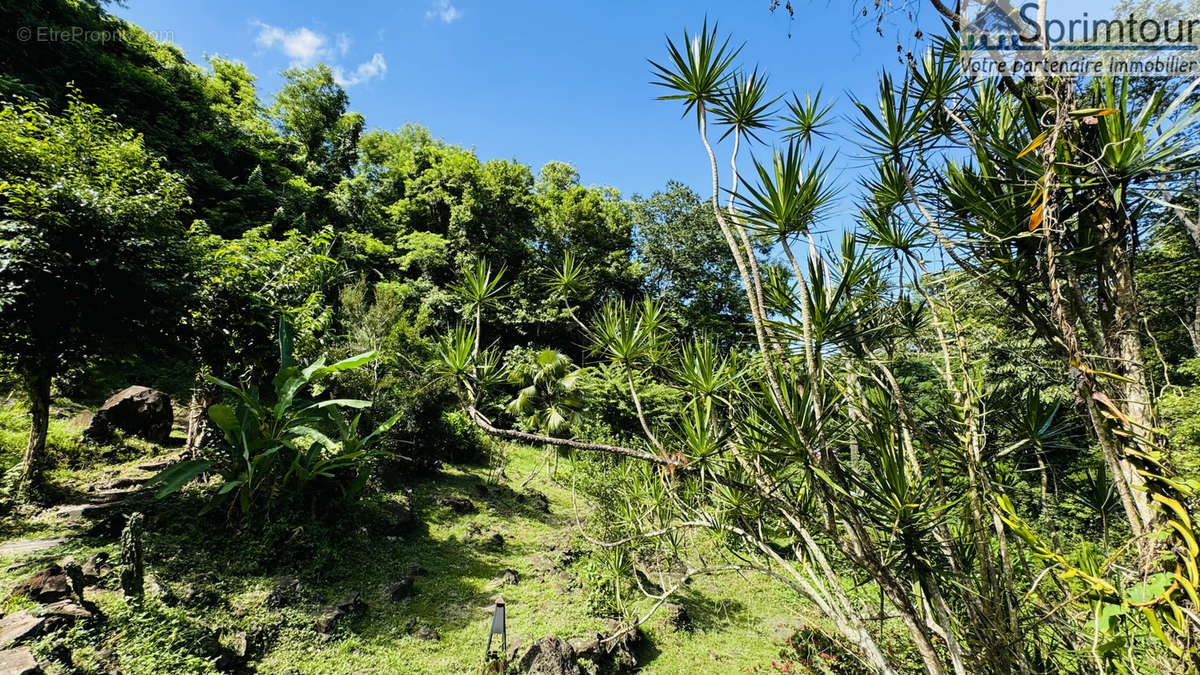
(176, 476)
(224, 416)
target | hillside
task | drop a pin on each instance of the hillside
(217, 604)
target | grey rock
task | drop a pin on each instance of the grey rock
(26, 546)
(351, 606)
(18, 662)
(19, 627)
(287, 591)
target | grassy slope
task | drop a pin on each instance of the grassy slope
(739, 621)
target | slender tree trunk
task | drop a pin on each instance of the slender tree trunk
(198, 424)
(1192, 225)
(1124, 347)
(37, 387)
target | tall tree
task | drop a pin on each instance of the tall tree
(686, 263)
(90, 255)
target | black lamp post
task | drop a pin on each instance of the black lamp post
(498, 628)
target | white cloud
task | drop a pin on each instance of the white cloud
(303, 46)
(306, 47)
(365, 72)
(443, 11)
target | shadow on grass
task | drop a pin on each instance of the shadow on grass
(710, 614)
(333, 553)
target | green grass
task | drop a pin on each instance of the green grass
(739, 621)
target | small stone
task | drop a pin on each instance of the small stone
(459, 505)
(495, 542)
(351, 606)
(194, 595)
(587, 647)
(18, 662)
(509, 577)
(286, 591)
(426, 632)
(327, 622)
(239, 643)
(95, 568)
(66, 609)
(398, 589)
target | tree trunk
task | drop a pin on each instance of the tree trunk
(198, 423)
(1192, 225)
(1124, 347)
(37, 387)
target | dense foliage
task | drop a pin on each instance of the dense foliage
(963, 431)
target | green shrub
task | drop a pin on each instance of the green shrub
(285, 447)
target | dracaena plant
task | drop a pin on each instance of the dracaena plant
(288, 445)
(816, 456)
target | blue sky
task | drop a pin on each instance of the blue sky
(542, 80)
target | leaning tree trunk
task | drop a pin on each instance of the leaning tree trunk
(37, 387)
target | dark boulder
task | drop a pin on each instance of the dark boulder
(549, 656)
(49, 585)
(138, 411)
(95, 427)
